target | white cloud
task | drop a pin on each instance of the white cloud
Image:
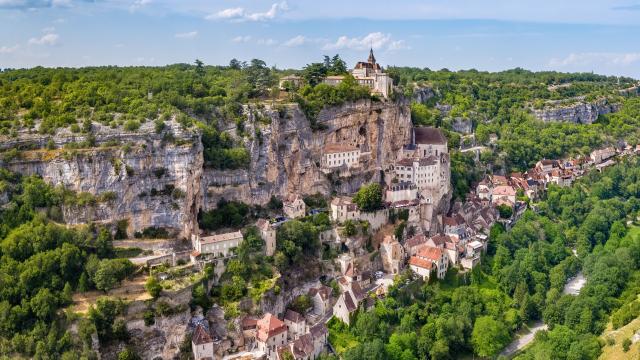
(48, 29)
(596, 58)
(267, 42)
(376, 40)
(8, 49)
(296, 41)
(240, 14)
(241, 39)
(186, 35)
(47, 39)
(137, 4)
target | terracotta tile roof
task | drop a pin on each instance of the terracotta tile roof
(430, 253)
(338, 148)
(439, 240)
(429, 136)
(415, 241)
(421, 263)
(249, 323)
(293, 316)
(201, 336)
(269, 326)
(504, 190)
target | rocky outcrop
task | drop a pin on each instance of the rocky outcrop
(144, 178)
(286, 157)
(580, 111)
(423, 94)
(154, 179)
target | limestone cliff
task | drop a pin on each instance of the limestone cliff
(155, 179)
(286, 157)
(579, 111)
(147, 179)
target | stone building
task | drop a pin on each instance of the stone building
(268, 234)
(219, 245)
(336, 155)
(201, 343)
(271, 333)
(367, 73)
(294, 206)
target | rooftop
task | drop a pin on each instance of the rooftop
(429, 136)
(420, 262)
(338, 148)
(221, 237)
(270, 326)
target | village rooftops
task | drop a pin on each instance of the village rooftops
(504, 190)
(415, 240)
(221, 237)
(338, 148)
(431, 253)
(303, 346)
(348, 301)
(293, 316)
(201, 336)
(318, 330)
(324, 292)
(429, 136)
(428, 161)
(420, 262)
(454, 220)
(270, 326)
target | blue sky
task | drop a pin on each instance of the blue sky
(564, 35)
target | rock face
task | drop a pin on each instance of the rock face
(287, 157)
(159, 180)
(581, 112)
(423, 94)
(144, 178)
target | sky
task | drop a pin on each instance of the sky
(565, 35)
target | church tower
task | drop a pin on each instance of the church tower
(372, 59)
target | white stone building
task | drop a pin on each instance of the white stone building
(401, 191)
(321, 299)
(296, 324)
(336, 155)
(430, 259)
(201, 343)
(294, 206)
(367, 73)
(270, 334)
(219, 245)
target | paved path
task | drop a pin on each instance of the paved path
(523, 340)
(474, 148)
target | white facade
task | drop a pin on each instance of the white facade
(425, 173)
(402, 191)
(338, 155)
(294, 207)
(219, 245)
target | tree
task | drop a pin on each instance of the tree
(314, 73)
(199, 67)
(44, 304)
(369, 197)
(153, 286)
(337, 66)
(235, 64)
(489, 336)
(505, 211)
